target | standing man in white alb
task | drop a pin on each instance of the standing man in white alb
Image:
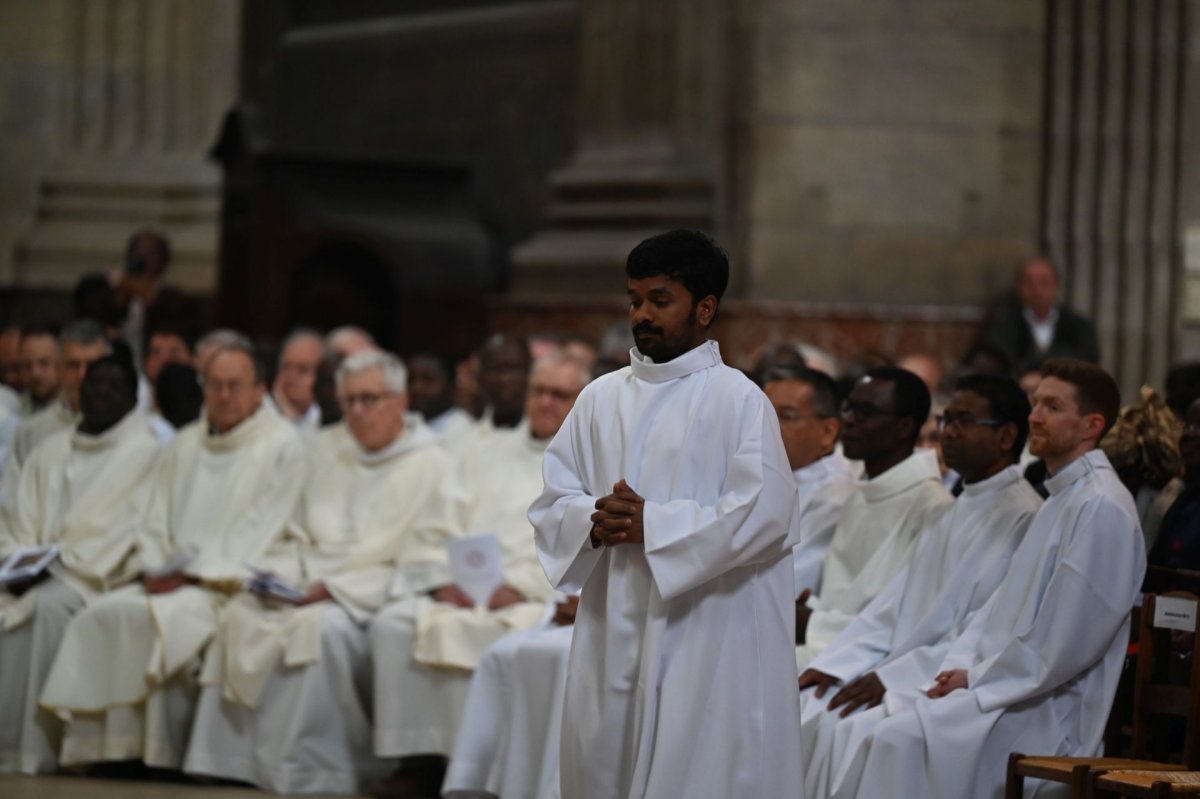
(668, 500)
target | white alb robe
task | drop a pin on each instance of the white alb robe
(54, 418)
(222, 498)
(508, 741)
(274, 674)
(440, 644)
(822, 488)
(502, 478)
(88, 495)
(874, 536)
(1043, 655)
(681, 679)
(905, 632)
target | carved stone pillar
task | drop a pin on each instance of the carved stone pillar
(651, 119)
(145, 85)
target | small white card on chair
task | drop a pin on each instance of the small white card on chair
(1175, 613)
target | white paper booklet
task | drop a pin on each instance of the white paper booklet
(27, 563)
(476, 566)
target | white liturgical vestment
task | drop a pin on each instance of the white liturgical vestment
(875, 533)
(905, 632)
(52, 419)
(219, 502)
(286, 699)
(681, 679)
(822, 488)
(88, 495)
(1043, 656)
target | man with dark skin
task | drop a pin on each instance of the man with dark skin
(977, 449)
(667, 502)
(873, 434)
(105, 397)
(504, 377)
(79, 491)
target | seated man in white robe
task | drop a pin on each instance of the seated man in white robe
(79, 344)
(425, 655)
(505, 729)
(124, 678)
(1036, 669)
(897, 642)
(294, 393)
(166, 344)
(881, 521)
(668, 501)
(39, 364)
(84, 490)
(806, 402)
(286, 698)
(431, 394)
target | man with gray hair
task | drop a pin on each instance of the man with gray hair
(209, 343)
(223, 494)
(291, 711)
(349, 340)
(293, 393)
(80, 343)
(425, 650)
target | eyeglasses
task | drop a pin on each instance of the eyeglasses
(366, 400)
(964, 420)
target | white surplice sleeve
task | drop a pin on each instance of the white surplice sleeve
(1085, 604)
(866, 640)
(562, 515)
(688, 544)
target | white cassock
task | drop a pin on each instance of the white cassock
(431, 648)
(451, 424)
(1043, 655)
(512, 723)
(681, 679)
(905, 632)
(822, 488)
(52, 419)
(224, 498)
(87, 494)
(874, 536)
(286, 691)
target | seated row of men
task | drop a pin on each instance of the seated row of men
(934, 634)
(182, 669)
(139, 643)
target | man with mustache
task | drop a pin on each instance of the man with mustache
(1036, 669)
(668, 500)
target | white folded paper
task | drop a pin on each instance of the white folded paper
(476, 565)
(27, 563)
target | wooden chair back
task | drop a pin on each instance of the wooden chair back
(1167, 686)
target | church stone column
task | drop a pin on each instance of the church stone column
(650, 120)
(144, 85)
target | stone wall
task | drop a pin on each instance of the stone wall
(888, 152)
(109, 109)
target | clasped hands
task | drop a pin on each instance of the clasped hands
(618, 517)
(868, 690)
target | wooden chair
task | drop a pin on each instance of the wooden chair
(1159, 692)
(1148, 784)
